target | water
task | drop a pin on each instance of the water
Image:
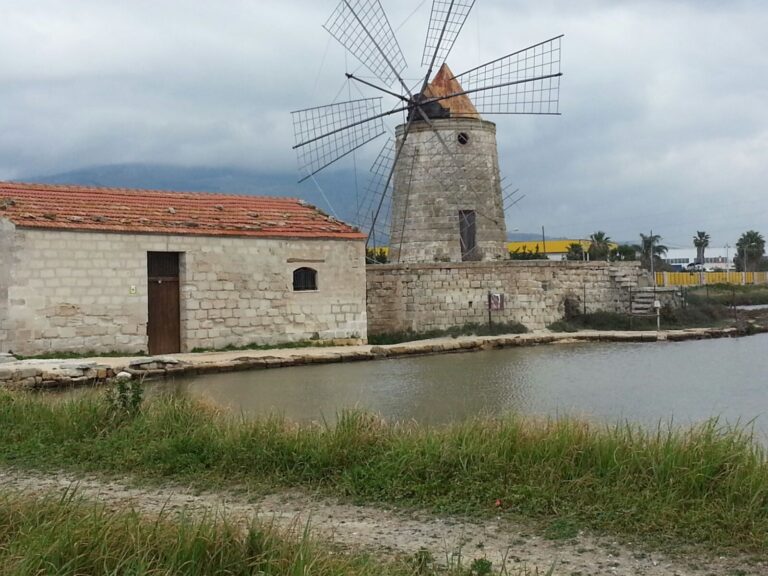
(647, 383)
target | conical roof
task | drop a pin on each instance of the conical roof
(444, 84)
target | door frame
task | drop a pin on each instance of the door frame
(164, 315)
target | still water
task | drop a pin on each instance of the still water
(686, 382)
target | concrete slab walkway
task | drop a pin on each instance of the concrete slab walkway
(33, 374)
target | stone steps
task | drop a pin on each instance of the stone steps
(623, 278)
(642, 302)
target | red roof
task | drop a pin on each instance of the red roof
(445, 83)
(157, 212)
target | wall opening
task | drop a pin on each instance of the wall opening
(304, 279)
(468, 235)
(164, 303)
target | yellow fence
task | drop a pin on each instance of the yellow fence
(702, 278)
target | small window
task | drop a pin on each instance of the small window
(463, 138)
(304, 279)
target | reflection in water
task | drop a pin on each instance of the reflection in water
(687, 381)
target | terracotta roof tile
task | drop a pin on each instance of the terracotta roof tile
(62, 207)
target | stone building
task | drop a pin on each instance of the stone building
(449, 264)
(447, 203)
(89, 269)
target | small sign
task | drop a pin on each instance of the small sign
(132, 290)
(656, 304)
(495, 302)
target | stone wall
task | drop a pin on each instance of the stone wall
(421, 297)
(82, 291)
(7, 255)
(431, 186)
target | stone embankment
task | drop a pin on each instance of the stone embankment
(40, 374)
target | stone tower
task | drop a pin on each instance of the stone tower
(446, 204)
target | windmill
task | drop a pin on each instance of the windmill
(439, 177)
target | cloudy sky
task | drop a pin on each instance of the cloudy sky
(664, 102)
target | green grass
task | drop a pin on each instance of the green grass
(67, 536)
(706, 485)
(284, 345)
(729, 294)
(496, 328)
(232, 348)
(696, 315)
(79, 355)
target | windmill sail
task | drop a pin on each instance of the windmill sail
(433, 156)
(445, 23)
(326, 134)
(524, 82)
(362, 27)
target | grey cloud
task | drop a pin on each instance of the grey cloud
(663, 125)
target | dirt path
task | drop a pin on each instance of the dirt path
(395, 533)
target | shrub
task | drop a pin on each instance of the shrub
(125, 397)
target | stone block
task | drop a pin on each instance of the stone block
(26, 373)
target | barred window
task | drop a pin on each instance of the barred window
(304, 279)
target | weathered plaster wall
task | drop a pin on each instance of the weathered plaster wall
(72, 291)
(422, 297)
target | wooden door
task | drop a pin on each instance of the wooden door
(164, 323)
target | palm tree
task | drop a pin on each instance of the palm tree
(599, 247)
(624, 253)
(701, 243)
(575, 251)
(751, 244)
(650, 247)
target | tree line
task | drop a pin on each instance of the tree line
(750, 250)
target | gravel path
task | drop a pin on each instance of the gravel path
(390, 533)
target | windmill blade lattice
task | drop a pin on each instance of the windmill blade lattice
(362, 27)
(524, 82)
(376, 202)
(326, 134)
(445, 23)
